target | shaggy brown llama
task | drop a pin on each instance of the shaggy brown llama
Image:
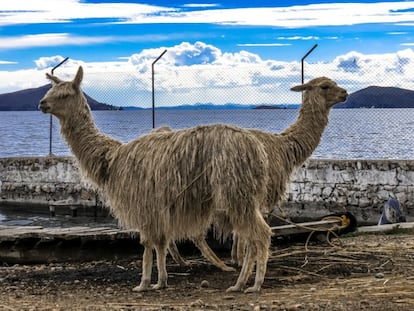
(170, 185)
(289, 150)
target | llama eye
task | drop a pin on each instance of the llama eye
(324, 87)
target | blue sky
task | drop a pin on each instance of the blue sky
(359, 43)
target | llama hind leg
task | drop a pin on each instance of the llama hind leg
(208, 253)
(261, 265)
(234, 250)
(237, 250)
(175, 254)
(146, 270)
(247, 268)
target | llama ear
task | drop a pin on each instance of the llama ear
(78, 78)
(302, 87)
(53, 79)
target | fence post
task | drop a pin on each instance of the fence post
(153, 96)
(51, 117)
(303, 60)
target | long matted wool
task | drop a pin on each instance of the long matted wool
(172, 185)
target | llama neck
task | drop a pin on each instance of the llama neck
(304, 135)
(91, 148)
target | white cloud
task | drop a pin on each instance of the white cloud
(361, 70)
(294, 16)
(51, 11)
(6, 62)
(66, 39)
(48, 39)
(200, 5)
(298, 38)
(396, 33)
(264, 44)
(47, 62)
(199, 72)
(21, 79)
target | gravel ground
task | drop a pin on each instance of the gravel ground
(366, 272)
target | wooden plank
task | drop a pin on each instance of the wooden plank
(321, 225)
(99, 233)
(385, 228)
(9, 233)
(24, 228)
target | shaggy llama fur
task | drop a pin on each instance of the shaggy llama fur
(171, 185)
(199, 241)
(288, 150)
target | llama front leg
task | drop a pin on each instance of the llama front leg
(146, 270)
(161, 251)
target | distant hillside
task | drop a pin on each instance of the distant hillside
(211, 106)
(206, 106)
(380, 97)
(28, 99)
(278, 106)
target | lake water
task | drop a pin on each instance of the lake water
(351, 133)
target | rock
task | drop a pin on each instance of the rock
(228, 297)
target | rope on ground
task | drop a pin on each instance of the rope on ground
(342, 220)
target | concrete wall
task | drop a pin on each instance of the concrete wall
(318, 188)
(39, 181)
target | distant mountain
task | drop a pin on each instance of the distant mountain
(207, 106)
(28, 99)
(211, 106)
(279, 106)
(379, 97)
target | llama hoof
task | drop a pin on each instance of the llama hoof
(143, 286)
(233, 289)
(253, 289)
(228, 269)
(140, 288)
(159, 286)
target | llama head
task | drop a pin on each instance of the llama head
(322, 91)
(64, 97)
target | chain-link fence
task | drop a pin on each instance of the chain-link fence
(250, 96)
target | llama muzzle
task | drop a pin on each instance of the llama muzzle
(43, 106)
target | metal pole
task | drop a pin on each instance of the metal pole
(51, 118)
(303, 60)
(153, 91)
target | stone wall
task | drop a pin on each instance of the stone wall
(39, 181)
(358, 186)
(318, 188)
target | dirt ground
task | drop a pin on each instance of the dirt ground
(366, 272)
